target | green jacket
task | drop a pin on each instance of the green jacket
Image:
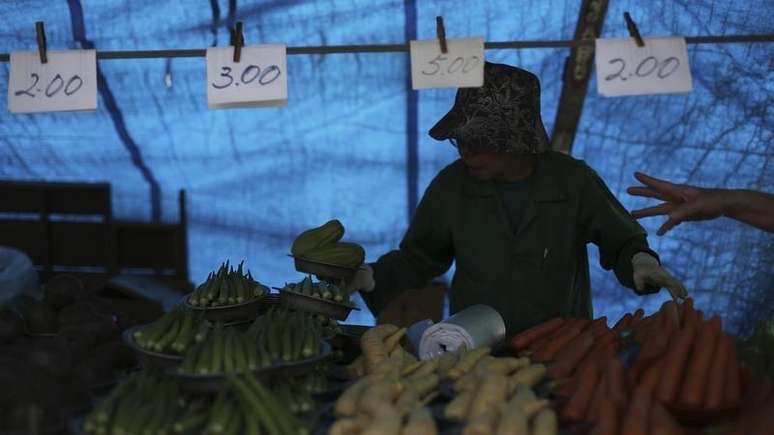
(538, 273)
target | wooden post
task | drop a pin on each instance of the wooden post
(575, 80)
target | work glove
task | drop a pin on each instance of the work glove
(648, 271)
(363, 280)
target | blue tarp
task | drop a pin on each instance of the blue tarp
(352, 141)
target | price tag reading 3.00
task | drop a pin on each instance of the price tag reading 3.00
(258, 80)
(623, 68)
(68, 81)
(462, 66)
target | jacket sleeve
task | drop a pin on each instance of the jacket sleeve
(425, 252)
(607, 224)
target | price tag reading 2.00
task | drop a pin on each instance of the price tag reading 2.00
(258, 80)
(66, 82)
(661, 66)
(460, 67)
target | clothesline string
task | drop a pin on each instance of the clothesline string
(398, 48)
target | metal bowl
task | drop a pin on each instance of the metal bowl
(149, 358)
(324, 270)
(246, 310)
(214, 383)
(314, 304)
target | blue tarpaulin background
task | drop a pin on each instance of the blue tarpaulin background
(352, 141)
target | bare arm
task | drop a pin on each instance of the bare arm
(690, 203)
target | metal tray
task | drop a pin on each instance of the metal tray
(316, 305)
(149, 358)
(244, 311)
(324, 270)
(214, 383)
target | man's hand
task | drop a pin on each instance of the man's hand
(362, 281)
(681, 201)
(647, 270)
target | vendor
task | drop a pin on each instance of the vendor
(515, 216)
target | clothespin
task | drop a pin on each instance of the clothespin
(237, 40)
(633, 31)
(440, 31)
(41, 32)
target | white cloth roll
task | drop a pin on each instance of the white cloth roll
(475, 326)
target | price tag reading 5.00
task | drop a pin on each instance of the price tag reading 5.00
(461, 67)
(623, 68)
(258, 80)
(68, 81)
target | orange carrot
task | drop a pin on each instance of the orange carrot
(649, 380)
(636, 420)
(703, 349)
(623, 322)
(561, 339)
(716, 378)
(638, 315)
(661, 423)
(685, 308)
(576, 407)
(674, 364)
(616, 382)
(539, 344)
(670, 311)
(597, 356)
(654, 346)
(731, 389)
(600, 391)
(567, 359)
(607, 423)
(523, 339)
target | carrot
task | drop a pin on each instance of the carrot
(623, 322)
(523, 339)
(636, 420)
(638, 315)
(582, 323)
(674, 364)
(616, 382)
(731, 390)
(669, 310)
(661, 423)
(715, 380)
(685, 308)
(654, 346)
(600, 391)
(695, 382)
(539, 344)
(576, 407)
(561, 339)
(649, 380)
(567, 359)
(597, 356)
(599, 322)
(607, 423)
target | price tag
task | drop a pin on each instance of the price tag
(68, 81)
(259, 79)
(461, 67)
(660, 67)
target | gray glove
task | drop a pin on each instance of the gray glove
(362, 281)
(647, 270)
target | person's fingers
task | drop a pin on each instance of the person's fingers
(662, 186)
(666, 226)
(656, 210)
(644, 191)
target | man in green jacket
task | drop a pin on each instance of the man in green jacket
(515, 216)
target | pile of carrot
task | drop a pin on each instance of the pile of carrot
(686, 361)
(567, 345)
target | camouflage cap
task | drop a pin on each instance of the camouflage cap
(502, 115)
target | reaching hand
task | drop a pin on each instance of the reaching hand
(362, 281)
(681, 201)
(647, 271)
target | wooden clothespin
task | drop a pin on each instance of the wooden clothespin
(237, 40)
(41, 33)
(633, 31)
(440, 31)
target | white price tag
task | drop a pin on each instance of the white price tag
(660, 67)
(461, 67)
(68, 81)
(259, 79)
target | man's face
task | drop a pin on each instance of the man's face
(484, 165)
